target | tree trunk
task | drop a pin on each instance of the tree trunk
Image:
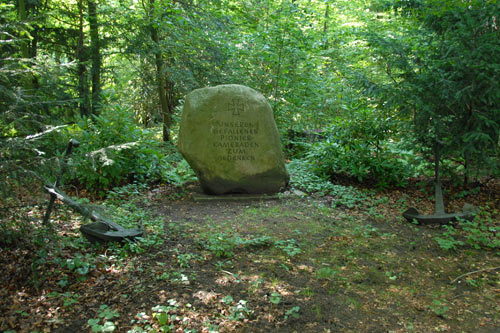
(325, 26)
(24, 47)
(33, 53)
(467, 153)
(280, 56)
(171, 101)
(161, 81)
(83, 88)
(466, 169)
(32, 12)
(22, 14)
(95, 56)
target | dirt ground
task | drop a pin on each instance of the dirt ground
(310, 264)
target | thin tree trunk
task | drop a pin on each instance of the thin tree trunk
(267, 16)
(466, 167)
(467, 155)
(83, 89)
(33, 14)
(95, 52)
(33, 50)
(278, 72)
(160, 77)
(280, 55)
(22, 14)
(325, 26)
(171, 101)
(24, 48)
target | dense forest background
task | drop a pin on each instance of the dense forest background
(363, 89)
(364, 93)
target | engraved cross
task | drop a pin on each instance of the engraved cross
(236, 107)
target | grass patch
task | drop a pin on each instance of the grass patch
(287, 264)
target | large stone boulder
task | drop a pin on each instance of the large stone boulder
(229, 138)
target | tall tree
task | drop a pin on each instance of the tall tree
(325, 25)
(82, 56)
(446, 64)
(95, 56)
(161, 80)
(25, 54)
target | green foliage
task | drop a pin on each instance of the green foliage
(361, 147)
(439, 307)
(31, 93)
(224, 245)
(348, 196)
(15, 226)
(366, 72)
(272, 53)
(442, 68)
(228, 300)
(69, 298)
(114, 150)
(179, 173)
(480, 233)
(29, 162)
(165, 315)
(190, 58)
(303, 177)
(219, 244)
(275, 298)
(240, 311)
(82, 265)
(74, 258)
(292, 313)
(447, 240)
(184, 259)
(289, 246)
(326, 273)
(105, 315)
(165, 318)
(129, 213)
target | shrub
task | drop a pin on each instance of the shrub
(362, 147)
(114, 151)
(303, 177)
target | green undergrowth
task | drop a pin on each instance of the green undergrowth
(115, 150)
(69, 257)
(304, 178)
(352, 259)
(318, 259)
(483, 232)
(224, 245)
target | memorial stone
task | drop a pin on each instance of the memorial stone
(229, 138)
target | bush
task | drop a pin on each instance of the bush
(114, 151)
(303, 177)
(362, 147)
(480, 233)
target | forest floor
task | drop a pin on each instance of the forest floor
(297, 264)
